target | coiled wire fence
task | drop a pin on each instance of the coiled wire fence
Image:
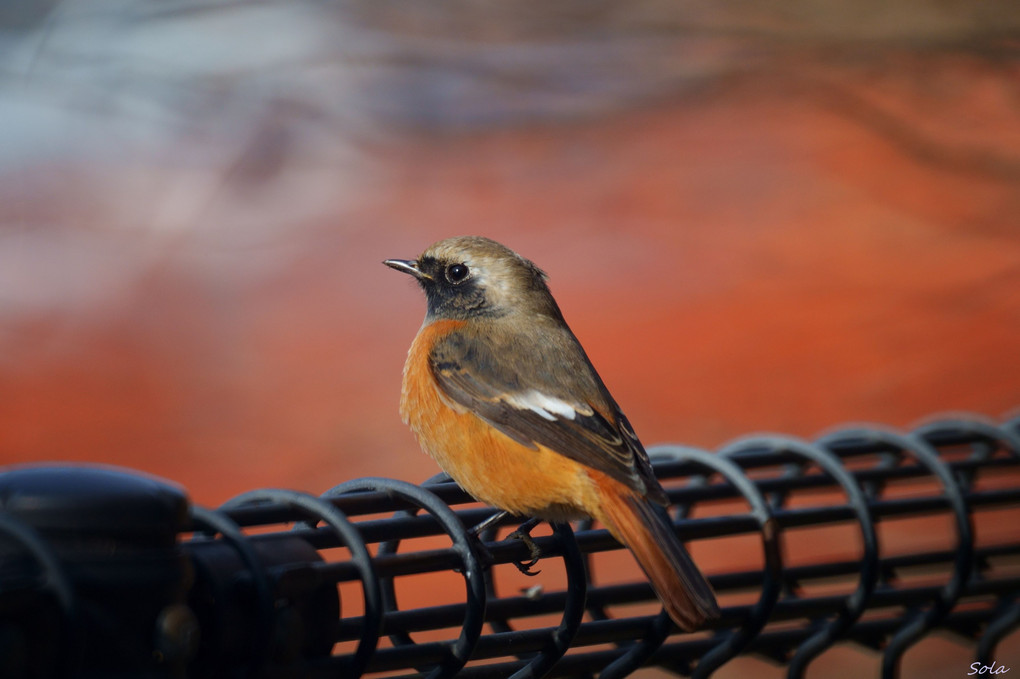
(865, 536)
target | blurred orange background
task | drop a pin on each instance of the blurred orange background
(755, 216)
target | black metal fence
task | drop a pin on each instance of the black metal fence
(864, 536)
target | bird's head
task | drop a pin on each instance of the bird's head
(471, 276)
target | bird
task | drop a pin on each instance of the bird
(499, 391)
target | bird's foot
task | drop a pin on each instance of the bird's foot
(523, 533)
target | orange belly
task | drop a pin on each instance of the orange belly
(488, 464)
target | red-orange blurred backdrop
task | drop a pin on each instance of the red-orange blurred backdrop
(781, 228)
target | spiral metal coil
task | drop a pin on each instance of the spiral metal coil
(278, 583)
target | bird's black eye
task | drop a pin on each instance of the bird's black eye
(456, 273)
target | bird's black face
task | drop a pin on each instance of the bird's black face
(452, 290)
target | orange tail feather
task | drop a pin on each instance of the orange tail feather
(637, 523)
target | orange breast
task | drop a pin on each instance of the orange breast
(486, 463)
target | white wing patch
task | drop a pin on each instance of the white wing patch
(546, 406)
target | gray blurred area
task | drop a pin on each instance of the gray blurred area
(255, 114)
(250, 85)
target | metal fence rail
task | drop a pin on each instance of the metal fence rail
(109, 573)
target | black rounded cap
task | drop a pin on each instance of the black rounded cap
(93, 500)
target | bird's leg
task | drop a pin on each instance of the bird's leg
(490, 522)
(523, 533)
(485, 525)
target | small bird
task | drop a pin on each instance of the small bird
(499, 392)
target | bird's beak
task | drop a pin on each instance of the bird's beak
(407, 266)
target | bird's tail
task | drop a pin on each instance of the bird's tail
(638, 524)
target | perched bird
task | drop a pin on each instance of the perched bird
(499, 391)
